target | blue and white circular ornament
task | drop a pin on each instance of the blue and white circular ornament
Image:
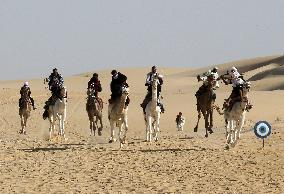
(262, 129)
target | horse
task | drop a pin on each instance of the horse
(94, 110)
(57, 111)
(25, 110)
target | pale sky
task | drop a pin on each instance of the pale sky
(77, 36)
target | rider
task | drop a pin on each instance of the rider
(237, 81)
(180, 119)
(25, 88)
(148, 83)
(117, 83)
(209, 77)
(96, 85)
(55, 83)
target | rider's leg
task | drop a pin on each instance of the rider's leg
(33, 103)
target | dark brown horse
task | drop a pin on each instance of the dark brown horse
(205, 106)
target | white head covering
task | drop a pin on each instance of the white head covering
(26, 83)
(234, 69)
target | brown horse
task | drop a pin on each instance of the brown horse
(25, 110)
(205, 105)
(94, 110)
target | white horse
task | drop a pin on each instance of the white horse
(235, 118)
(117, 115)
(153, 112)
(58, 112)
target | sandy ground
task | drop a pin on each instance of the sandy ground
(180, 162)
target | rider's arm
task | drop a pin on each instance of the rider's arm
(160, 77)
(148, 81)
(99, 87)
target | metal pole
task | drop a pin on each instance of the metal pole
(263, 143)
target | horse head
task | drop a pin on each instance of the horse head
(63, 92)
(155, 80)
(246, 88)
(125, 91)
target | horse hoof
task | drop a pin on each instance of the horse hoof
(206, 135)
(195, 129)
(227, 147)
(100, 133)
(210, 131)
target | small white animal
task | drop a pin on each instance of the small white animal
(180, 121)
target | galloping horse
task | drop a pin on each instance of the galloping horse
(94, 110)
(205, 105)
(235, 117)
(57, 111)
(25, 110)
(117, 115)
(153, 112)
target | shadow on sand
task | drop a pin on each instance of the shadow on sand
(174, 150)
(47, 149)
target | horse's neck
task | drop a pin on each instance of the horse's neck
(26, 104)
(154, 96)
(121, 104)
(93, 102)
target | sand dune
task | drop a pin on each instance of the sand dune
(256, 70)
(183, 162)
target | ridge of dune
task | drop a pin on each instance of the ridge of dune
(256, 70)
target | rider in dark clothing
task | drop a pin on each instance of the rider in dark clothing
(55, 83)
(95, 84)
(26, 88)
(117, 83)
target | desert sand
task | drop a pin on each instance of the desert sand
(180, 162)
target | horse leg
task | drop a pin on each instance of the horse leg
(232, 131)
(94, 127)
(25, 124)
(157, 127)
(111, 139)
(206, 117)
(125, 129)
(211, 122)
(63, 126)
(51, 127)
(63, 122)
(148, 129)
(241, 124)
(91, 125)
(199, 116)
(227, 131)
(22, 124)
(60, 125)
(101, 122)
